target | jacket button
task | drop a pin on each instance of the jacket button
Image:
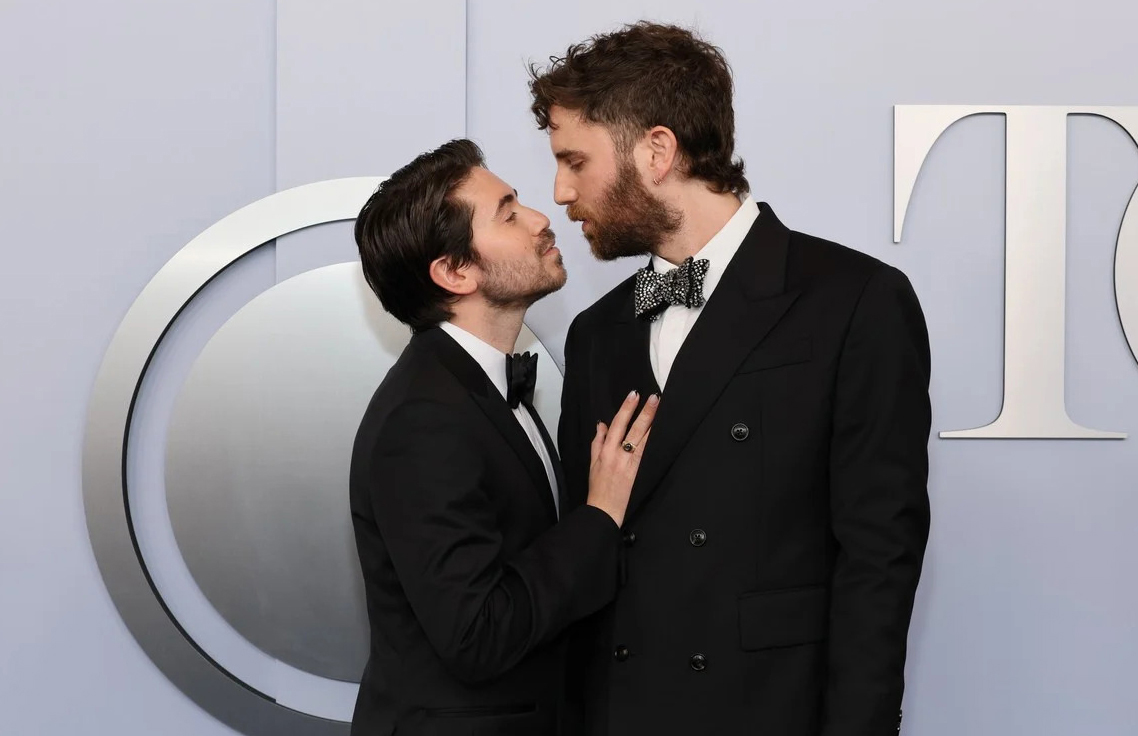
(698, 537)
(629, 539)
(620, 654)
(740, 432)
(698, 662)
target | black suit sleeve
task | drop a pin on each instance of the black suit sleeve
(481, 611)
(879, 504)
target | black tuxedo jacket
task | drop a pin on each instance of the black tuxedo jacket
(778, 523)
(470, 580)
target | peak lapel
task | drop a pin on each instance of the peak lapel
(554, 459)
(490, 401)
(628, 348)
(749, 301)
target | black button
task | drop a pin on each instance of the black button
(740, 432)
(698, 537)
(698, 662)
(620, 654)
(629, 539)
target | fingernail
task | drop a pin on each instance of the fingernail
(654, 399)
(632, 394)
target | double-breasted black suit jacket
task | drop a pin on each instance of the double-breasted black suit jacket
(470, 579)
(777, 527)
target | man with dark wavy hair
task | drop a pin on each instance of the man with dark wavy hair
(776, 530)
(473, 568)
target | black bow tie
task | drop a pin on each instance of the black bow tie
(683, 285)
(521, 379)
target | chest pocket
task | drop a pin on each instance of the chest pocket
(765, 357)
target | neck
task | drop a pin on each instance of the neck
(705, 214)
(496, 326)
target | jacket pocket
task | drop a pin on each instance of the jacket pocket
(783, 618)
(481, 711)
(773, 356)
(494, 720)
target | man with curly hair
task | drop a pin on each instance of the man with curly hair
(777, 527)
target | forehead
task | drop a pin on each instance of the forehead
(484, 190)
(569, 132)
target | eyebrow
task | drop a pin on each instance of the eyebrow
(567, 154)
(507, 199)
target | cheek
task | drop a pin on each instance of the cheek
(588, 196)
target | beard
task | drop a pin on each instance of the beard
(522, 282)
(629, 219)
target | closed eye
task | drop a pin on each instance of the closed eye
(572, 158)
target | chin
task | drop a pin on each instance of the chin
(560, 276)
(603, 255)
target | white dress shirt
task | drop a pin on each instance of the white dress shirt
(493, 362)
(670, 330)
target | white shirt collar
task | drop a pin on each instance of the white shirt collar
(722, 247)
(492, 360)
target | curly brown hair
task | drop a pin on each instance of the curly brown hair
(644, 75)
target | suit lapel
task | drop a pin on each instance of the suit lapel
(490, 401)
(558, 471)
(632, 366)
(748, 302)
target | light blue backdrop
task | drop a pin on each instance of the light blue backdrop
(127, 127)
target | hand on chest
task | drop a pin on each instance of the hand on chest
(726, 412)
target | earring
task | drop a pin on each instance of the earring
(656, 180)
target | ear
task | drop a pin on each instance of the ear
(663, 150)
(458, 281)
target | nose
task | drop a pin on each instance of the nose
(563, 193)
(540, 222)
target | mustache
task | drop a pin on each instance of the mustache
(575, 214)
(547, 240)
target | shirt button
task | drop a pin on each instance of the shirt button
(740, 432)
(698, 537)
(629, 539)
(620, 654)
(698, 662)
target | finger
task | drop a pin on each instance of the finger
(619, 426)
(643, 422)
(598, 441)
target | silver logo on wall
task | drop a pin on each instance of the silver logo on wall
(227, 548)
(1036, 254)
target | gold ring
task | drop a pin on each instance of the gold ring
(628, 447)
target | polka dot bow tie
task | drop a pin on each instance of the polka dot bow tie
(683, 285)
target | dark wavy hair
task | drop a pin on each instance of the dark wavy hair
(411, 220)
(644, 75)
